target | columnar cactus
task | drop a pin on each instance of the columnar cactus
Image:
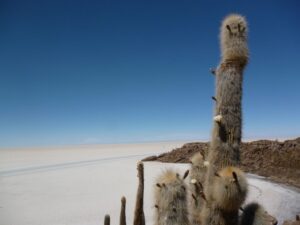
(107, 220)
(171, 199)
(227, 130)
(222, 206)
(139, 216)
(123, 211)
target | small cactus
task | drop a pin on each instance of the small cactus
(123, 211)
(171, 199)
(197, 178)
(198, 169)
(107, 220)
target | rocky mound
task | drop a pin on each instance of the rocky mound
(279, 161)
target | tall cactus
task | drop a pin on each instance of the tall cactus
(171, 199)
(139, 216)
(227, 130)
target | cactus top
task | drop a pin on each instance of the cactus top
(230, 188)
(169, 176)
(228, 171)
(197, 159)
(234, 39)
(123, 200)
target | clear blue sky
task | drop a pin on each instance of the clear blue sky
(74, 72)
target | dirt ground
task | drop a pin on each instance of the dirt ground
(278, 161)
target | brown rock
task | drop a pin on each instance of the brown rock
(280, 161)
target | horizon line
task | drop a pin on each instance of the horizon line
(68, 145)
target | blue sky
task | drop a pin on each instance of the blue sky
(75, 72)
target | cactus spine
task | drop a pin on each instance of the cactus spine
(222, 206)
(139, 216)
(171, 199)
(123, 211)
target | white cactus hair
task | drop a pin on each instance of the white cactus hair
(230, 188)
(234, 30)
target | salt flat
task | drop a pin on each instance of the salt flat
(80, 184)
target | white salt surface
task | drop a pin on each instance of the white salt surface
(79, 185)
